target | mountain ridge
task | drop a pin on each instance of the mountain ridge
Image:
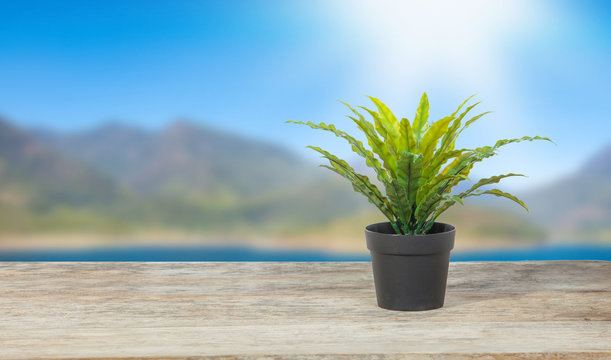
(599, 164)
(578, 206)
(51, 177)
(189, 176)
(184, 176)
(183, 155)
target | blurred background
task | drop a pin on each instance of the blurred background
(154, 130)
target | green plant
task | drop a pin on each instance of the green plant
(416, 163)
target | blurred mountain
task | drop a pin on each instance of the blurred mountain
(32, 175)
(599, 165)
(184, 159)
(188, 177)
(185, 177)
(578, 206)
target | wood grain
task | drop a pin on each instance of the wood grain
(527, 310)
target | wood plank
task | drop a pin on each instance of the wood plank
(530, 310)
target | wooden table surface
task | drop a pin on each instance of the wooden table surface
(497, 310)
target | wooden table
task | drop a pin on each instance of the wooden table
(526, 310)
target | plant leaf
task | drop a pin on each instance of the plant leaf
(471, 121)
(432, 136)
(421, 117)
(499, 193)
(391, 123)
(461, 105)
(357, 146)
(385, 128)
(389, 138)
(397, 197)
(409, 173)
(407, 136)
(360, 182)
(487, 181)
(504, 142)
(453, 131)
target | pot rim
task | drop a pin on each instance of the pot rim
(369, 230)
(397, 244)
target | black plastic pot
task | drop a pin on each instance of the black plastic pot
(410, 271)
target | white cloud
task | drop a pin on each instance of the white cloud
(460, 44)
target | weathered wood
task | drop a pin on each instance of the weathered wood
(527, 310)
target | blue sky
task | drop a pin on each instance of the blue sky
(247, 66)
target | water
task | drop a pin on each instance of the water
(245, 253)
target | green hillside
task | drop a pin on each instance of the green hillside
(191, 179)
(34, 176)
(577, 207)
(117, 179)
(185, 160)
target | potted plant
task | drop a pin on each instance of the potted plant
(418, 165)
